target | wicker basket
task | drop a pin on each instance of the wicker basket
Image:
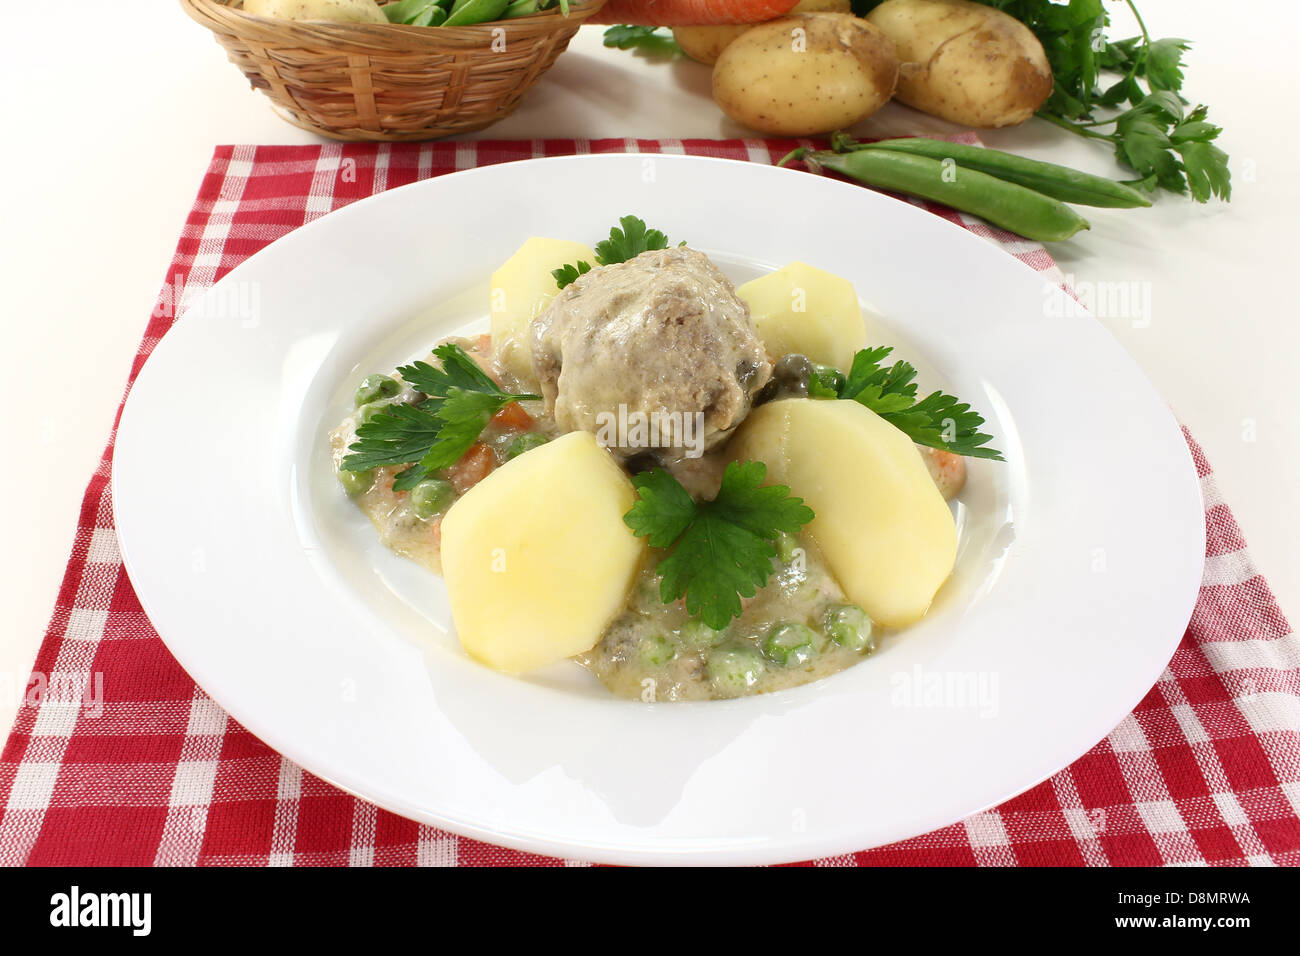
(387, 81)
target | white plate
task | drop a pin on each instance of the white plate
(1079, 564)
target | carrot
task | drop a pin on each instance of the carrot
(475, 465)
(678, 13)
(513, 416)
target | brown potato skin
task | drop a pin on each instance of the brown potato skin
(965, 62)
(705, 44)
(847, 72)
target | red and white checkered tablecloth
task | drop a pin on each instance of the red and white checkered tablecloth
(118, 758)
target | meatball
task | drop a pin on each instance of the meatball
(654, 354)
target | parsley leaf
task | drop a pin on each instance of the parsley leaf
(396, 436)
(722, 549)
(567, 275)
(629, 242)
(626, 241)
(938, 420)
(436, 433)
(1164, 67)
(1206, 167)
(458, 371)
(643, 39)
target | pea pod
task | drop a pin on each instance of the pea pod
(475, 11)
(1009, 205)
(416, 13)
(1059, 182)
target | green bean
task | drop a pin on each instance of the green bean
(432, 497)
(520, 8)
(475, 11)
(656, 650)
(1059, 182)
(374, 388)
(356, 482)
(1009, 205)
(733, 670)
(848, 626)
(792, 644)
(525, 442)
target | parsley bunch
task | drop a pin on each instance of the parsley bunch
(1145, 119)
(626, 241)
(437, 432)
(1139, 110)
(722, 550)
(938, 420)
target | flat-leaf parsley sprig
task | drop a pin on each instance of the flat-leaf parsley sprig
(626, 241)
(938, 420)
(435, 433)
(1149, 129)
(722, 550)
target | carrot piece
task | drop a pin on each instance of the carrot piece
(678, 13)
(513, 416)
(475, 465)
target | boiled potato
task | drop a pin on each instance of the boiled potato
(344, 11)
(536, 556)
(802, 309)
(804, 74)
(520, 290)
(965, 62)
(707, 43)
(881, 523)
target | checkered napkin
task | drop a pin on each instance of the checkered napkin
(118, 758)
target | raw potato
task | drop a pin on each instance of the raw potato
(706, 44)
(965, 62)
(805, 74)
(536, 556)
(803, 309)
(344, 11)
(520, 290)
(883, 526)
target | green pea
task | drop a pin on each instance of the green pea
(696, 633)
(525, 442)
(656, 651)
(432, 497)
(826, 381)
(791, 644)
(356, 482)
(734, 670)
(368, 411)
(374, 388)
(646, 597)
(848, 626)
(786, 547)
(466, 12)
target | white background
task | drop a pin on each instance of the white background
(109, 132)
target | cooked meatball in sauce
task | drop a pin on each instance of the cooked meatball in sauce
(662, 336)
